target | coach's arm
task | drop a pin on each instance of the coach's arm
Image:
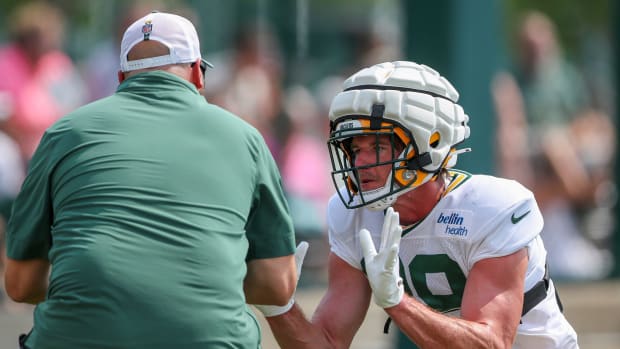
(270, 280)
(26, 281)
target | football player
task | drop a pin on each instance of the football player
(455, 259)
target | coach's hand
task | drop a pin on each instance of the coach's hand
(275, 310)
(382, 266)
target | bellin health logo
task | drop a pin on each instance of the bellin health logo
(454, 224)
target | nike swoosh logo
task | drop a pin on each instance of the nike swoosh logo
(516, 220)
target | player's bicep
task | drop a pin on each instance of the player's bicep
(343, 308)
(494, 292)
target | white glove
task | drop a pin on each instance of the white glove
(275, 310)
(382, 267)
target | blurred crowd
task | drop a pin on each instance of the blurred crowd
(550, 135)
(555, 135)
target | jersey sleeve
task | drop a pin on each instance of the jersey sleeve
(343, 240)
(515, 221)
(269, 228)
(28, 234)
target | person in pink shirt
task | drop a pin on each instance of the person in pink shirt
(39, 82)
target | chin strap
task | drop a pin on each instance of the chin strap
(386, 327)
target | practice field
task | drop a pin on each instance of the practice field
(592, 308)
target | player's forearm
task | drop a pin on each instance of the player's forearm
(430, 329)
(293, 331)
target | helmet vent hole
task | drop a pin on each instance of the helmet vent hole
(434, 141)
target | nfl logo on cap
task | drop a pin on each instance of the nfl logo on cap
(147, 28)
(175, 32)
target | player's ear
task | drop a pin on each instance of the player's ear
(197, 78)
(121, 76)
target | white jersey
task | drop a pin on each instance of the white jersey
(478, 217)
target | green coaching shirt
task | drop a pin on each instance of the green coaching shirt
(148, 204)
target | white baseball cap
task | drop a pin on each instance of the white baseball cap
(176, 32)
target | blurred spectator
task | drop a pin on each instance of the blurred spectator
(11, 175)
(373, 46)
(547, 135)
(305, 162)
(253, 88)
(12, 171)
(39, 82)
(305, 168)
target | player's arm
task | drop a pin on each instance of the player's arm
(270, 280)
(25, 281)
(337, 318)
(490, 311)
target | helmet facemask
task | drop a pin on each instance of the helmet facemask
(405, 162)
(414, 107)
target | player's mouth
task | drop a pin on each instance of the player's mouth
(369, 183)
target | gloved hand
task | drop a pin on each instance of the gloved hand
(275, 310)
(382, 267)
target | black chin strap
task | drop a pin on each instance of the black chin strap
(386, 327)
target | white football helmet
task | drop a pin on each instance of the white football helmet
(412, 104)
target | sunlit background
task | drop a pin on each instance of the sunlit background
(279, 63)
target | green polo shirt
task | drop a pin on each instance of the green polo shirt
(148, 204)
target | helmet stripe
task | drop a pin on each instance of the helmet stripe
(396, 88)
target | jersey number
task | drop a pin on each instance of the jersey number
(421, 265)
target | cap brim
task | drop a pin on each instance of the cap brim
(204, 64)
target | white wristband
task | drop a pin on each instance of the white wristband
(275, 310)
